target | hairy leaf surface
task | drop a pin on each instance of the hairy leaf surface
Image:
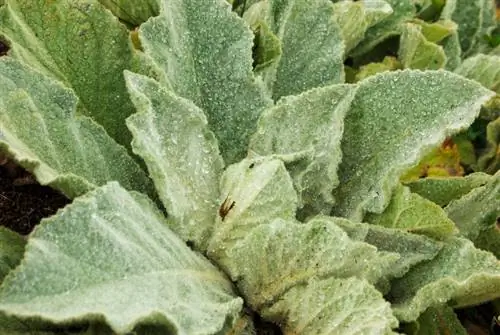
(394, 120)
(133, 12)
(11, 251)
(41, 131)
(110, 256)
(416, 52)
(482, 68)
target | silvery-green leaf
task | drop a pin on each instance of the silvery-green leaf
(205, 53)
(11, 251)
(475, 18)
(411, 248)
(437, 321)
(489, 160)
(482, 68)
(41, 131)
(460, 275)
(394, 120)
(453, 51)
(354, 18)
(416, 52)
(83, 45)
(305, 132)
(436, 32)
(172, 136)
(280, 255)
(346, 306)
(133, 12)
(312, 45)
(413, 213)
(443, 190)
(110, 256)
(252, 192)
(391, 26)
(477, 215)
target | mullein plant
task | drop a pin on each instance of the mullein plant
(229, 162)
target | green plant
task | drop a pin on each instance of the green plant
(265, 166)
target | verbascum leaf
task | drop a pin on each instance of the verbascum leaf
(205, 53)
(312, 44)
(489, 160)
(438, 321)
(394, 120)
(280, 255)
(11, 251)
(482, 68)
(453, 51)
(460, 275)
(443, 190)
(171, 134)
(416, 52)
(305, 131)
(436, 32)
(40, 130)
(252, 192)
(391, 26)
(477, 215)
(348, 306)
(110, 256)
(354, 18)
(133, 13)
(388, 64)
(83, 45)
(411, 248)
(412, 213)
(475, 19)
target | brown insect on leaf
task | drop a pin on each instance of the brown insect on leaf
(226, 206)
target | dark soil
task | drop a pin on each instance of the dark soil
(23, 203)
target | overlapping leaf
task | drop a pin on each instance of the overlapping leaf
(460, 275)
(443, 190)
(312, 45)
(205, 53)
(83, 45)
(437, 321)
(172, 136)
(11, 251)
(489, 160)
(110, 256)
(411, 212)
(482, 68)
(41, 131)
(133, 12)
(477, 215)
(395, 119)
(305, 132)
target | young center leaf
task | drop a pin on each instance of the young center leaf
(205, 52)
(484, 69)
(305, 132)
(172, 136)
(42, 132)
(394, 120)
(11, 251)
(109, 256)
(83, 45)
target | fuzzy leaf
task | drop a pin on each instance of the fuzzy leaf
(477, 215)
(253, 192)
(389, 27)
(83, 45)
(411, 248)
(11, 251)
(305, 132)
(277, 256)
(489, 161)
(435, 32)
(416, 52)
(110, 256)
(133, 12)
(453, 51)
(482, 68)
(172, 136)
(205, 53)
(437, 321)
(413, 213)
(460, 275)
(41, 131)
(443, 190)
(348, 306)
(312, 44)
(354, 18)
(394, 120)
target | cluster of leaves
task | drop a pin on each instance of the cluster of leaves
(225, 154)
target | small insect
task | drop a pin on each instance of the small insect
(226, 206)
